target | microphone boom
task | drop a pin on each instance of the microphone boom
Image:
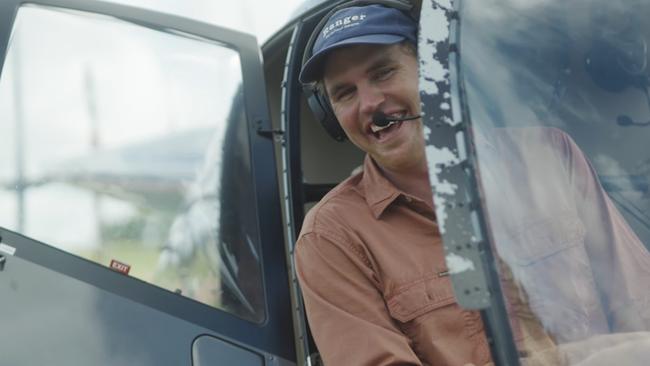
(382, 120)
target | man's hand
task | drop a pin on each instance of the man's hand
(631, 352)
(622, 349)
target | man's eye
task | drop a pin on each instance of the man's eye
(385, 73)
(343, 94)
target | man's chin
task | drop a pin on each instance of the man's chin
(400, 160)
(391, 162)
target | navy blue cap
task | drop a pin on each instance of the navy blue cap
(370, 24)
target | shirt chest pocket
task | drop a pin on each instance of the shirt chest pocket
(549, 262)
(547, 257)
(420, 297)
(537, 239)
(426, 311)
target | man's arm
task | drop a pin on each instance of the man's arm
(620, 262)
(346, 311)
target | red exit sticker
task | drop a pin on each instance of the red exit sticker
(120, 267)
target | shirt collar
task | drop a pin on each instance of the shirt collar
(379, 191)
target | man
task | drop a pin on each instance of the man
(370, 259)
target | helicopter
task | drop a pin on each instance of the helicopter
(154, 186)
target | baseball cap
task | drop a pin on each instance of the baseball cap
(370, 24)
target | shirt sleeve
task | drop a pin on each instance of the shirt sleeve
(346, 311)
(620, 262)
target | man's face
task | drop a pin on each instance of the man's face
(361, 80)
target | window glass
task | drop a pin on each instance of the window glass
(558, 96)
(128, 145)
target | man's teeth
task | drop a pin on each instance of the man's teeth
(376, 128)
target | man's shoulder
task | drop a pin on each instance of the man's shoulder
(535, 142)
(335, 224)
(539, 135)
(335, 209)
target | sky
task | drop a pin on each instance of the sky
(259, 17)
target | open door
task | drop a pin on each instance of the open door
(140, 219)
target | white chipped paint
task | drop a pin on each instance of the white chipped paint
(431, 71)
(434, 29)
(427, 133)
(435, 21)
(429, 87)
(435, 157)
(457, 264)
(441, 188)
(446, 4)
(460, 144)
(441, 212)
(7, 249)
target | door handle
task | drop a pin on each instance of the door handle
(3, 260)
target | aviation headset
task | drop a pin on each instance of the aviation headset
(319, 103)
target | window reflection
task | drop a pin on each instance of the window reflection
(558, 94)
(116, 140)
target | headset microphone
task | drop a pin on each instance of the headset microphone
(625, 121)
(380, 119)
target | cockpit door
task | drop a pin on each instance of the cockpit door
(140, 219)
(452, 174)
(537, 116)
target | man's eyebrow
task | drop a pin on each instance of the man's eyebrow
(380, 62)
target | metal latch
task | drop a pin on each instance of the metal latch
(3, 260)
(314, 360)
(276, 134)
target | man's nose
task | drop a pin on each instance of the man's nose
(370, 97)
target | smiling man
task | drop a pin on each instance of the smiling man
(369, 78)
(369, 258)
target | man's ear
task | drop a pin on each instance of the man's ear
(322, 109)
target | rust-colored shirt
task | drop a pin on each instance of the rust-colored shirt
(575, 268)
(371, 267)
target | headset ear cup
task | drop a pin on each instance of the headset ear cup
(320, 106)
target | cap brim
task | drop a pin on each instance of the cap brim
(312, 69)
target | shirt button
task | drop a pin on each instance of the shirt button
(408, 199)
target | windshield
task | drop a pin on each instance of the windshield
(558, 97)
